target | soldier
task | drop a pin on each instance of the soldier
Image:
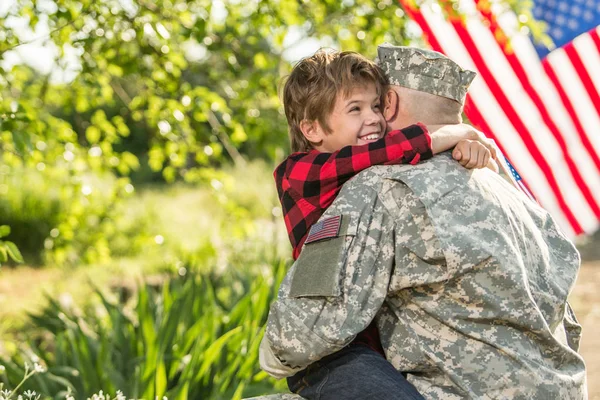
(465, 276)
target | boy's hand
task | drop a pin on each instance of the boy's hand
(473, 154)
(445, 137)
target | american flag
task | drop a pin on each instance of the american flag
(541, 106)
(325, 229)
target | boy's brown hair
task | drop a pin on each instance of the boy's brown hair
(311, 89)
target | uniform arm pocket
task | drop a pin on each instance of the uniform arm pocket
(318, 269)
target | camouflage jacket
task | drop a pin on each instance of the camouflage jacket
(467, 279)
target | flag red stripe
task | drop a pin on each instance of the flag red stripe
(595, 38)
(584, 76)
(517, 67)
(516, 121)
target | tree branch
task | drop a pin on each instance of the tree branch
(229, 147)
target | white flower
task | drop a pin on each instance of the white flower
(2, 369)
(38, 368)
(69, 396)
(30, 394)
(100, 396)
(120, 396)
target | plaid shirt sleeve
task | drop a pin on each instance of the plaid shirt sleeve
(308, 183)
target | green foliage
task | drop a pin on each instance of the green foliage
(66, 219)
(195, 336)
(179, 84)
(8, 250)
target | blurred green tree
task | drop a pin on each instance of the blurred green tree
(178, 84)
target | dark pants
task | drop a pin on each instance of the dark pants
(353, 373)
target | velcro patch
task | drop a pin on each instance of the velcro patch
(325, 229)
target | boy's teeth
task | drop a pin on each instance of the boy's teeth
(372, 136)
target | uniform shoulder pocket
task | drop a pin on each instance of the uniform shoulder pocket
(318, 268)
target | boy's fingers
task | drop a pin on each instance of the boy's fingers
(493, 152)
(456, 154)
(466, 156)
(486, 159)
(473, 153)
(481, 158)
(493, 165)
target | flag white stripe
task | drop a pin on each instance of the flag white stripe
(495, 117)
(586, 48)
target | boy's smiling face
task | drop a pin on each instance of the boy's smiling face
(355, 119)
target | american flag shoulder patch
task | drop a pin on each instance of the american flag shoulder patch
(325, 229)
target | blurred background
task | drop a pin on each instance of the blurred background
(141, 235)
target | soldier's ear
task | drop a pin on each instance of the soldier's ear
(390, 105)
(312, 131)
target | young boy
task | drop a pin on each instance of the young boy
(332, 104)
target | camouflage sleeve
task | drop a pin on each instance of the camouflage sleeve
(337, 285)
(572, 328)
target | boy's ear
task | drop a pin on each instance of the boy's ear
(312, 131)
(390, 106)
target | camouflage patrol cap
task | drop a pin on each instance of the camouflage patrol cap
(424, 70)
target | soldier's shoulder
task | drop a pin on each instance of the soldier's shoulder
(367, 183)
(358, 193)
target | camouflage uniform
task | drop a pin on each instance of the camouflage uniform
(425, 71)
(467, 279)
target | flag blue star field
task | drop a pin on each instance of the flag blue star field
(541, 105)
(566, 20)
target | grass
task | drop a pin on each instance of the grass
(192, 336)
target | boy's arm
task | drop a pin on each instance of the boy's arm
(445, 137)
(318, 177)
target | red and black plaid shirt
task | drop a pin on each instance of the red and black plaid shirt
(308, 183)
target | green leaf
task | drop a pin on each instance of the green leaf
(3, 253)
(4, 230)
(93, 134)
(161, 380)
(183, 392)
(13, 252)
(214, 351)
